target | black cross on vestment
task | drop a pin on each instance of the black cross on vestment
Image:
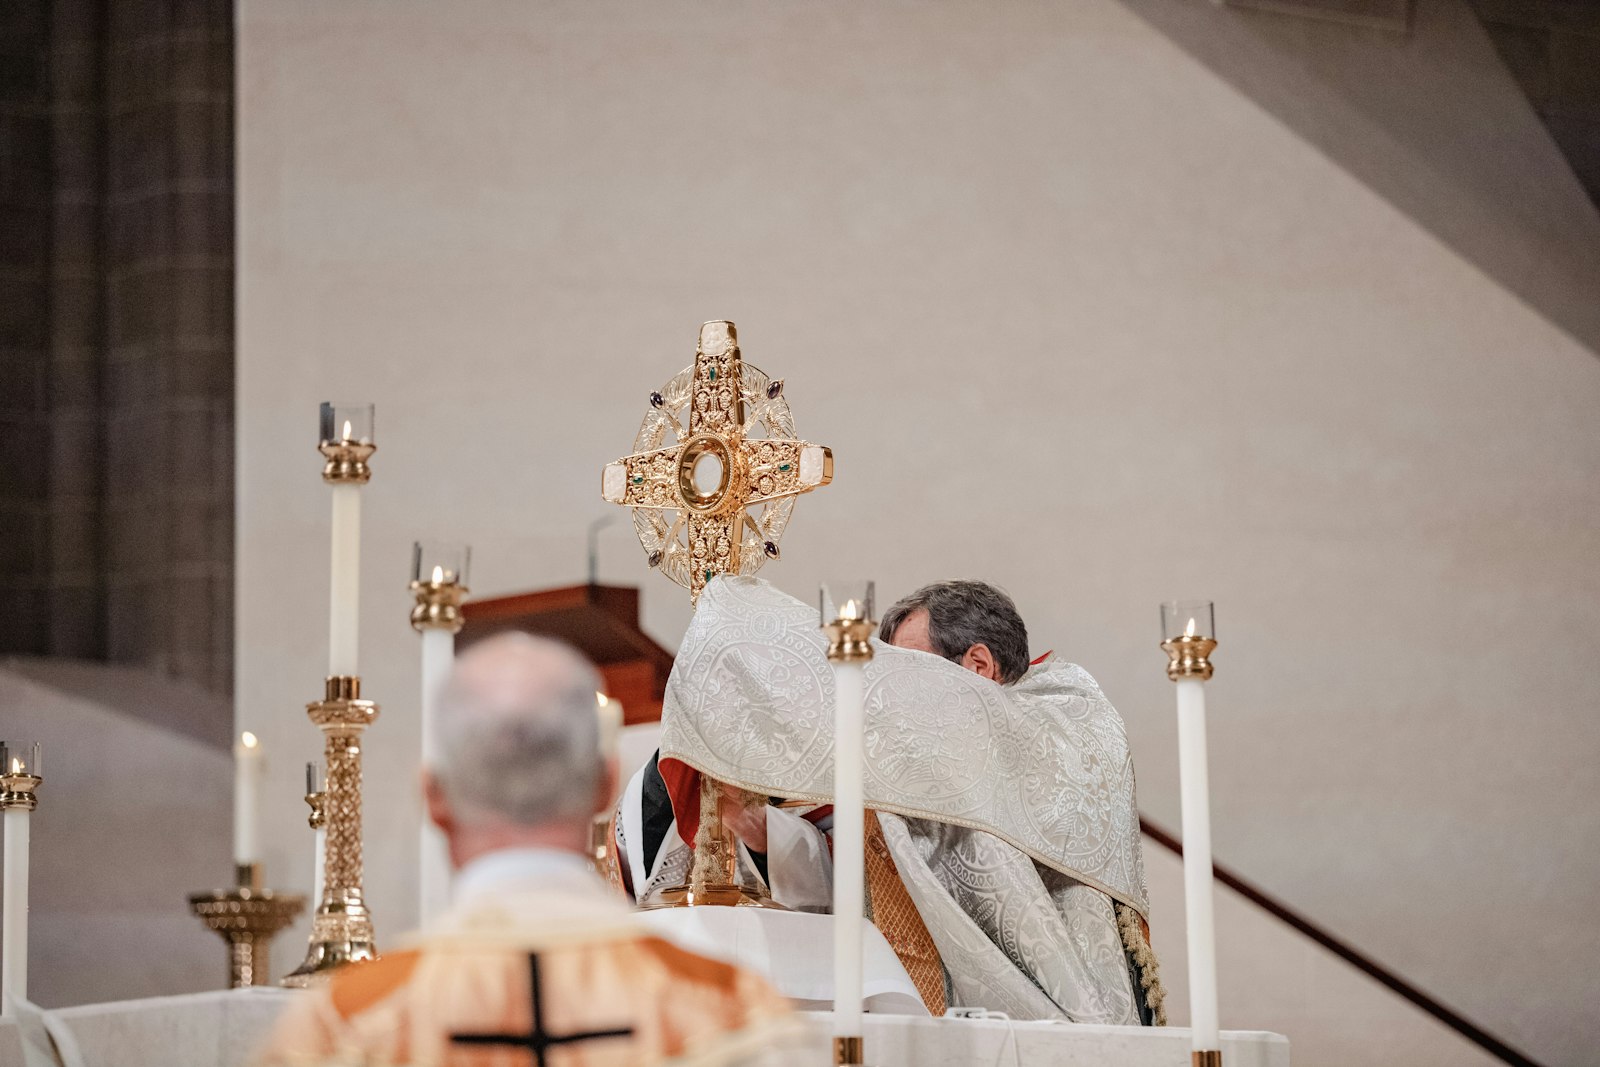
(536, 1040)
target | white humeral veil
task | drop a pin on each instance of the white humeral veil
(1009, 810)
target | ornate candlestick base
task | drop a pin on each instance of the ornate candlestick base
(248, 918)
(341, 931)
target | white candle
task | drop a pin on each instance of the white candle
(1197, 874)
(849, 855)
(319, 865)
(247, 770)
(14, 924)
(610, 713)
(438, 654)
(345, 585)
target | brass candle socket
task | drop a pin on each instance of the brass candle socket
(247, 917)
(1207, 1058)
(341, 931)
(849, 640)
(438, 606)
(19, 792)
(347, 462)
(1188, 657)
(847, 1052)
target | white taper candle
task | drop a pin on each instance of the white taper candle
(345, 586)
(247, 771)
(319, 865)
(849, 850)
(14, 924)
(433, 881)
(1197, 874)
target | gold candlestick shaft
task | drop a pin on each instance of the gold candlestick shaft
(341, 931)
(247, 917)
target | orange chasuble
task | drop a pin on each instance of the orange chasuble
(554, 975)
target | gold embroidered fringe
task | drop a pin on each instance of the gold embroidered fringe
(1137, 944)
(896, 917)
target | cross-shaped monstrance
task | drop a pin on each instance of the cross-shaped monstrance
(737, 452)
(537, 1040)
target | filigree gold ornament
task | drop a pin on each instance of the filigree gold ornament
(732, 451)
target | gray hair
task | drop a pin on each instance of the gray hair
(962, 614)
(517, 734)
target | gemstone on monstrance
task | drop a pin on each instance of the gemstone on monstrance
(775, 389)
(656, 400)
(771, 549)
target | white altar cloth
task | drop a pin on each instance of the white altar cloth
(794, 951)
(221, 1029)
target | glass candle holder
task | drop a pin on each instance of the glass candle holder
(346, 423)
(440, 562)
(21, 759)
(849, 601)
(1188, 618)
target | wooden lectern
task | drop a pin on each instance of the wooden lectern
(601, 621)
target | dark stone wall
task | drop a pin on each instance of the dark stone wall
(1553, 49)
(116, 333)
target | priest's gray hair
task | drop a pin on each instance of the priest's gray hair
(962, 614)
(516, 735)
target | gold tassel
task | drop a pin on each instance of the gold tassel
(1132, 928)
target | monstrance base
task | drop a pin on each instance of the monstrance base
(726, 896)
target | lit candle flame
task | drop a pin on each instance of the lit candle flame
(851, 611)
(601, 699)
(438, 575)
(16, 765)
(1188, 631)
(248, 739)
(346, 429)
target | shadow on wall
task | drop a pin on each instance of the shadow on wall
(1433, 122)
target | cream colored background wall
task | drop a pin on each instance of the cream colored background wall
(1075, 314)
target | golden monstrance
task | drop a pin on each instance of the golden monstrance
(714, 499)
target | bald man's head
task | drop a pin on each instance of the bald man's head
(517, 736)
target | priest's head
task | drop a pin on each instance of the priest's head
(970, 623)
(517, 752)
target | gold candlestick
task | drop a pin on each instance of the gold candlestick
(247, 917)
(341, 931)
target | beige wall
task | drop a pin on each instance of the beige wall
(134, 815)
(1075, 315)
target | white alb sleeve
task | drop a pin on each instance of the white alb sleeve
(799, 865)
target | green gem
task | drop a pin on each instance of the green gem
(708, 576)
(637, 479)
(783, 466)
(713, 374)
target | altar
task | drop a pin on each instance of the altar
(221, 1029)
